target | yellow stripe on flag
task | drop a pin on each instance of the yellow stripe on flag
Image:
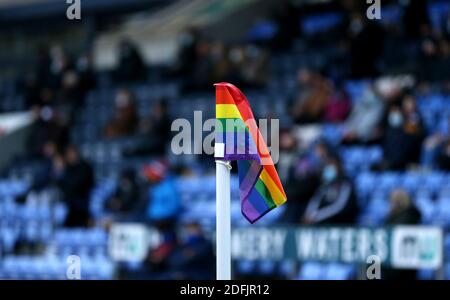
(227, 111)
(274, 191)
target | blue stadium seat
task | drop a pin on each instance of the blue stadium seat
(427, 208)
(8, 239)
(337, 271)
(287, 268)
(411, 181)
(245, 266)
(391, 14)
(365, 183)
(267, 267)
(356, 88)
(332, 133)
(434, 180)
(442, 216)
(262, 31)
(312, 271)
(437, 11)
(315, 24)
(389, 180)
(59, 212)
(375, 211)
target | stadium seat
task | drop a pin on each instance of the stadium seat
(312, 271)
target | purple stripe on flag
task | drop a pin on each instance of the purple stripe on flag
(251, 176)
(249, 211)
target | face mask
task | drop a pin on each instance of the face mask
(329, 173)
(395, 119)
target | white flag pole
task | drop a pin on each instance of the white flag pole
(223, 220)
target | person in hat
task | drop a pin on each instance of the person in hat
(162, 212)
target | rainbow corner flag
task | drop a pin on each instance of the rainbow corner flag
(238, 138)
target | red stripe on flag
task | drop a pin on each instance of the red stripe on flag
(222, 94)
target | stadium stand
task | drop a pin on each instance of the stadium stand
(35, 241)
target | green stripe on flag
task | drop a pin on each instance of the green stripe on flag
(264, 192)
(230, 125)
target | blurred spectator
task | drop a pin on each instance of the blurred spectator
(42, 68)
(163, 210)
(221, 62)
(86, 72)
(303, 177)
(430, 55)
(413, 119)
(287, 18)
(236, 57)
(404, 130)
(366, 45)
(32, 89)
(187, 52)
(157, 261)
(415, 17)
(125, 120)
(402, 212)
(131, 66)
(164, 201)
(193, 259)
(254, 69)
(126, 195)
(59, 63)
(214, 61)
(71, 96)
(362, 124)
(75, 178)
(338, 105)
(289, 152)
(154, 133)
(47, 127)
(335, 200)
(36, 91)
(432, 145)
(57, 83)
(314, 92)
(395, 140)
(202, 67)
(44, 176)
